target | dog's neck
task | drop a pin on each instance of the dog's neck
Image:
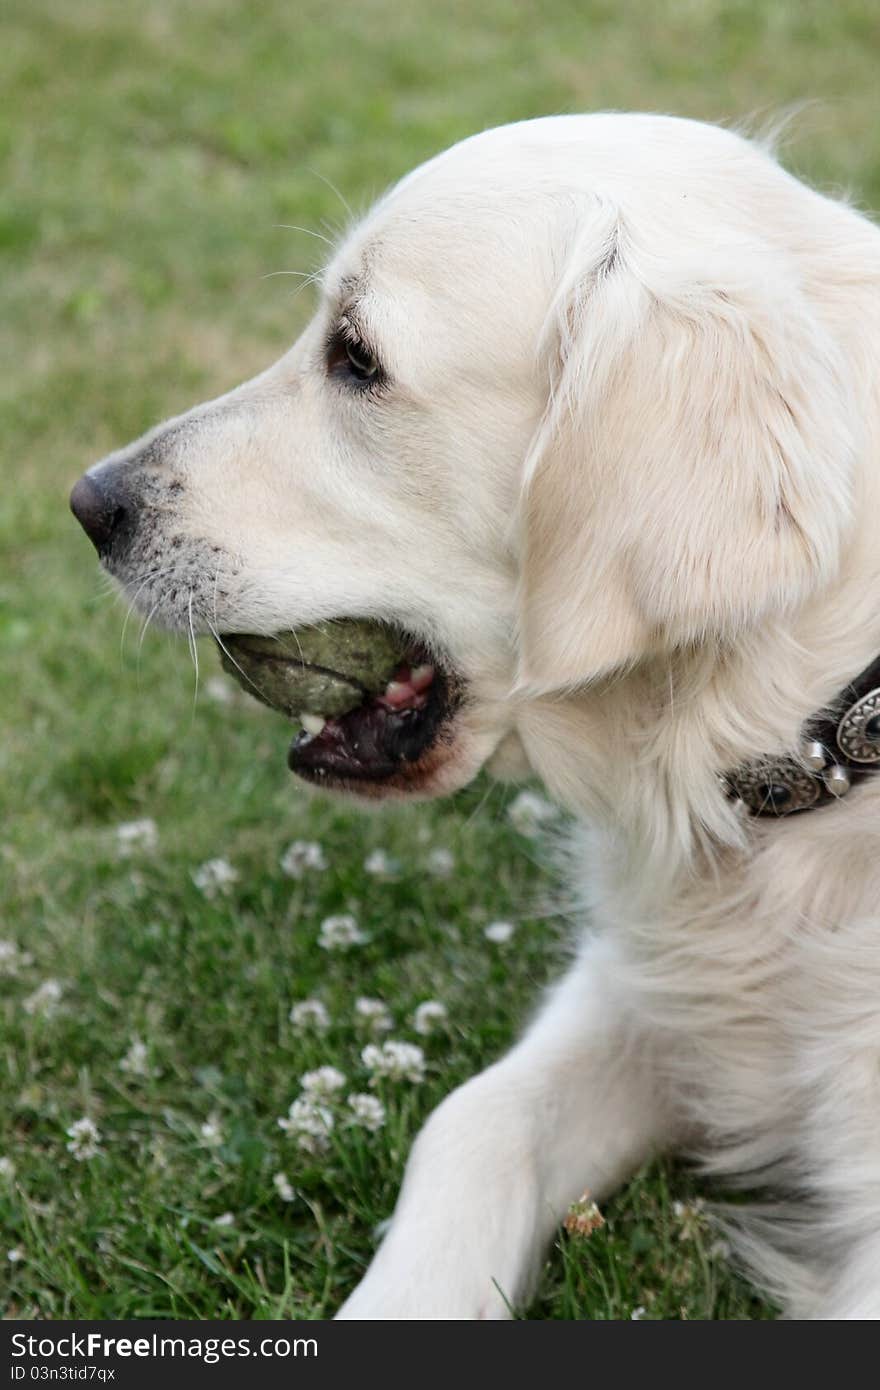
(645, 753)
(840, 746)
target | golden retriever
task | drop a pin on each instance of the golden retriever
(591, 408)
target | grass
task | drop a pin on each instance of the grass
(152, 154)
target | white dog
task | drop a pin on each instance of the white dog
(591, 407)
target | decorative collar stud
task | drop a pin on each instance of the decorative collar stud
(840, 746)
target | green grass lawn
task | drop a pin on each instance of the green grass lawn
(153, 153)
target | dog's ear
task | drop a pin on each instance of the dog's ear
(692, 473)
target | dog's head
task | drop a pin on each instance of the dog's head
(569, 400)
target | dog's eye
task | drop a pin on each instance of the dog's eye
(363, 363)
(348, 355)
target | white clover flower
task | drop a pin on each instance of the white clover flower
(214, 877)
(281, 1183)
(398, 1061)
(302, 855)
(218, 689)
(136, 1061)
(310, 1013)
(499, 932)
(683, 1210)
(440, 863)
(428, 1015)
(373, 1058)
(308, 1123)
(381, 865)
(7, 1169)
(691, 1217)
(529, 813)
(15, 1255)
(211, 1132)
(226, 1219)
(322, 1083)
(583, 1217)
(374, 1013)
(12, 959)
(85, 1139)
(367, 1111)
(134, 836)
(638, 1313)
(341, 931)
(45, 999)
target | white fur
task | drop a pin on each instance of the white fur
(627, 477)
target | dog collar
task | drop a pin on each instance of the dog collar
(840, 746)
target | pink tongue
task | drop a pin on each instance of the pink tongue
(407, 689)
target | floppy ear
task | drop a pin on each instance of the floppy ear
(692, 471)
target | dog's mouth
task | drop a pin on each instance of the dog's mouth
(388, 739)
(392, 741)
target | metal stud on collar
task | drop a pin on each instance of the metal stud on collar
(837, 780)
(858, 732)
(814, 755)
(836, 752)
(775, 789)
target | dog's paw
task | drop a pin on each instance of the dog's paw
(411, 1284)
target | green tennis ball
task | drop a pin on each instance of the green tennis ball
(328, 669)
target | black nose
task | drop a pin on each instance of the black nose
(97, 510)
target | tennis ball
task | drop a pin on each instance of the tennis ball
(326, 670)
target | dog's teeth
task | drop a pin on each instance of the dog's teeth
(312, 723)
(421, 676)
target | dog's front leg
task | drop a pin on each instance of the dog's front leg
(575, 1105)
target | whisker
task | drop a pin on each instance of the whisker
(333, 189)
(131, 607)
(194, 651)
(107, 593)
(214, 629)
(292, 227)
(305, 275)
(147, 621)
(487, 794)
(223, 647)
(214, 594)
(276, 637)
(304, 284)
(107, 586)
